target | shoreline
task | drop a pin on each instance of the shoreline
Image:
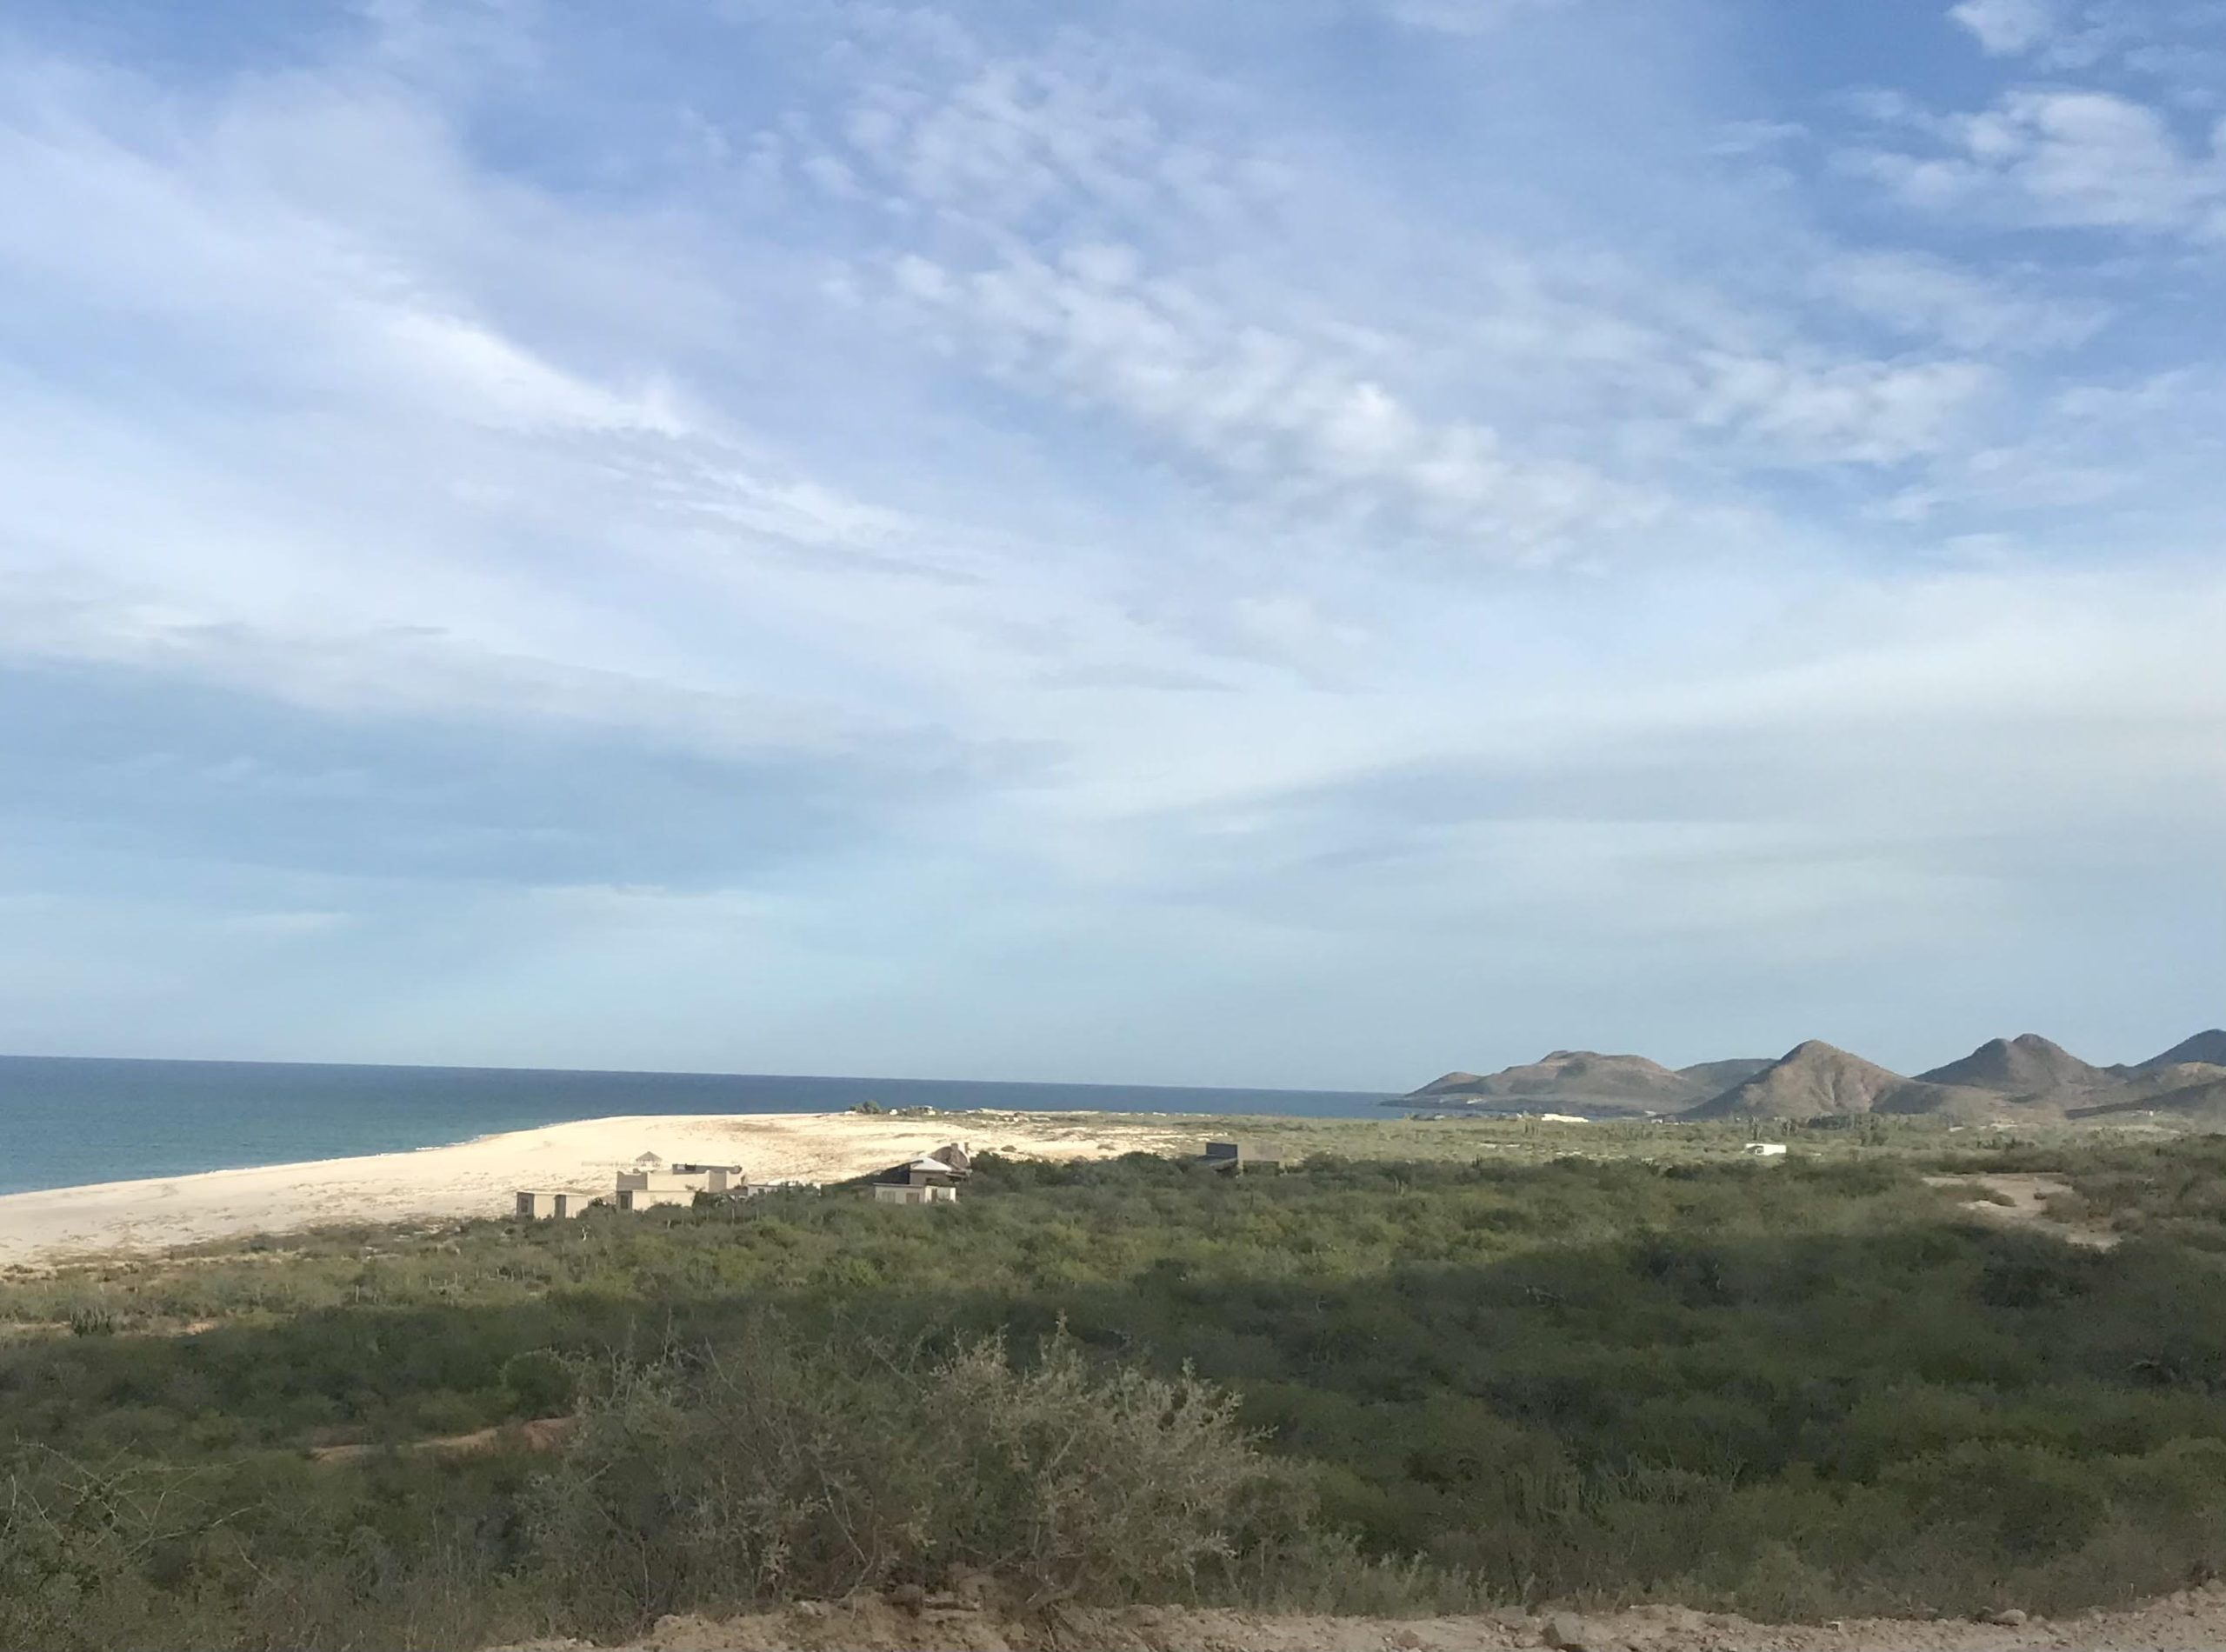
(480, 1176)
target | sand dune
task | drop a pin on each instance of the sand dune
(479, 1177)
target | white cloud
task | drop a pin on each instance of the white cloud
(1864, 413)
(2007, 28)
(1931, 298)
(477, 371)
(1085, 449)
(1462, 17)
(2064, 158)
(1285, 415)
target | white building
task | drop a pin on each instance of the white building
(642, 1189)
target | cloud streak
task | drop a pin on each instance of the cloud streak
(957, 540)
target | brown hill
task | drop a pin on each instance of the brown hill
(1714, 1077)
(2026, 1065)
(1451, 1084)
(1817, 1081)
(2208, 1047)
(1575, 1077)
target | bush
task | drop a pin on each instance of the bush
(537, 1383)
(771, 1472)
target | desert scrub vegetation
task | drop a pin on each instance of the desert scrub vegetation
(1812, 1386)
(773, 1470)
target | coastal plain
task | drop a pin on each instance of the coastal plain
(480, 1178)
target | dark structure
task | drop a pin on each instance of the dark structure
(1233, 1158)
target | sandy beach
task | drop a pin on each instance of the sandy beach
(480, 1177)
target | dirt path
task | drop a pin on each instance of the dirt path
(2196, 1619)
(2028, 1207)
(541, 1434)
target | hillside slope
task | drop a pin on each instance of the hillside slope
(2028, 1064)
(1575, 1077)
(1450, 1084)
(1714, 1077)
(2206, 1047)
(2201, 1102)
(1816, 1080)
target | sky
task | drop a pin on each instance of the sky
(1294, 542)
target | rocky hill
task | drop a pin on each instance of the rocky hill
(2026, 1077)
(1815, 1080)
(1580, 1078)
(2026, 1065)
(2208, 1047)
(1451, 1084)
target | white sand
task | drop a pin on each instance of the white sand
(482, 1178)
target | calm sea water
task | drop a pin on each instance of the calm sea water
(66, 1121)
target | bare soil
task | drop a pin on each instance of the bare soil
(541, 1434)
(2028, 1206)
(2194, 1619)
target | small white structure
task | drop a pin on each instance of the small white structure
(1764, 1149)
(926, 1193)
(534, 1206)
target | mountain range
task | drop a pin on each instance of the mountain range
(2027, 1076)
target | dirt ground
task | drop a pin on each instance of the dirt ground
(2196, 1618)
(2028, 1207)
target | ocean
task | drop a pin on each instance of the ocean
(67, 1120)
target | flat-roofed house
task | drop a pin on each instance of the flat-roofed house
(644, 1189)
(1234, 1158)
(534, 1205)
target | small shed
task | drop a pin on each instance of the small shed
(1233, 1158)
(534, 1205)
(1764, 1149)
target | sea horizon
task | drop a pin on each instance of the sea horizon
(66, 1121)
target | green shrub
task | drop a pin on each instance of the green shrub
(537, 1383)
(1807, 1389)
(771, 1471)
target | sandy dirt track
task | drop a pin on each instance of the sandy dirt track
(2196, 1619)
(2028, 1205)
(481, 1177)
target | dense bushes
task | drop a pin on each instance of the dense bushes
(764, 1472)
(1797, 1388)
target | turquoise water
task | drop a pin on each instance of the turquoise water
(66, 1121)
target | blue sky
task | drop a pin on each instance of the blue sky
(1280, 542)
